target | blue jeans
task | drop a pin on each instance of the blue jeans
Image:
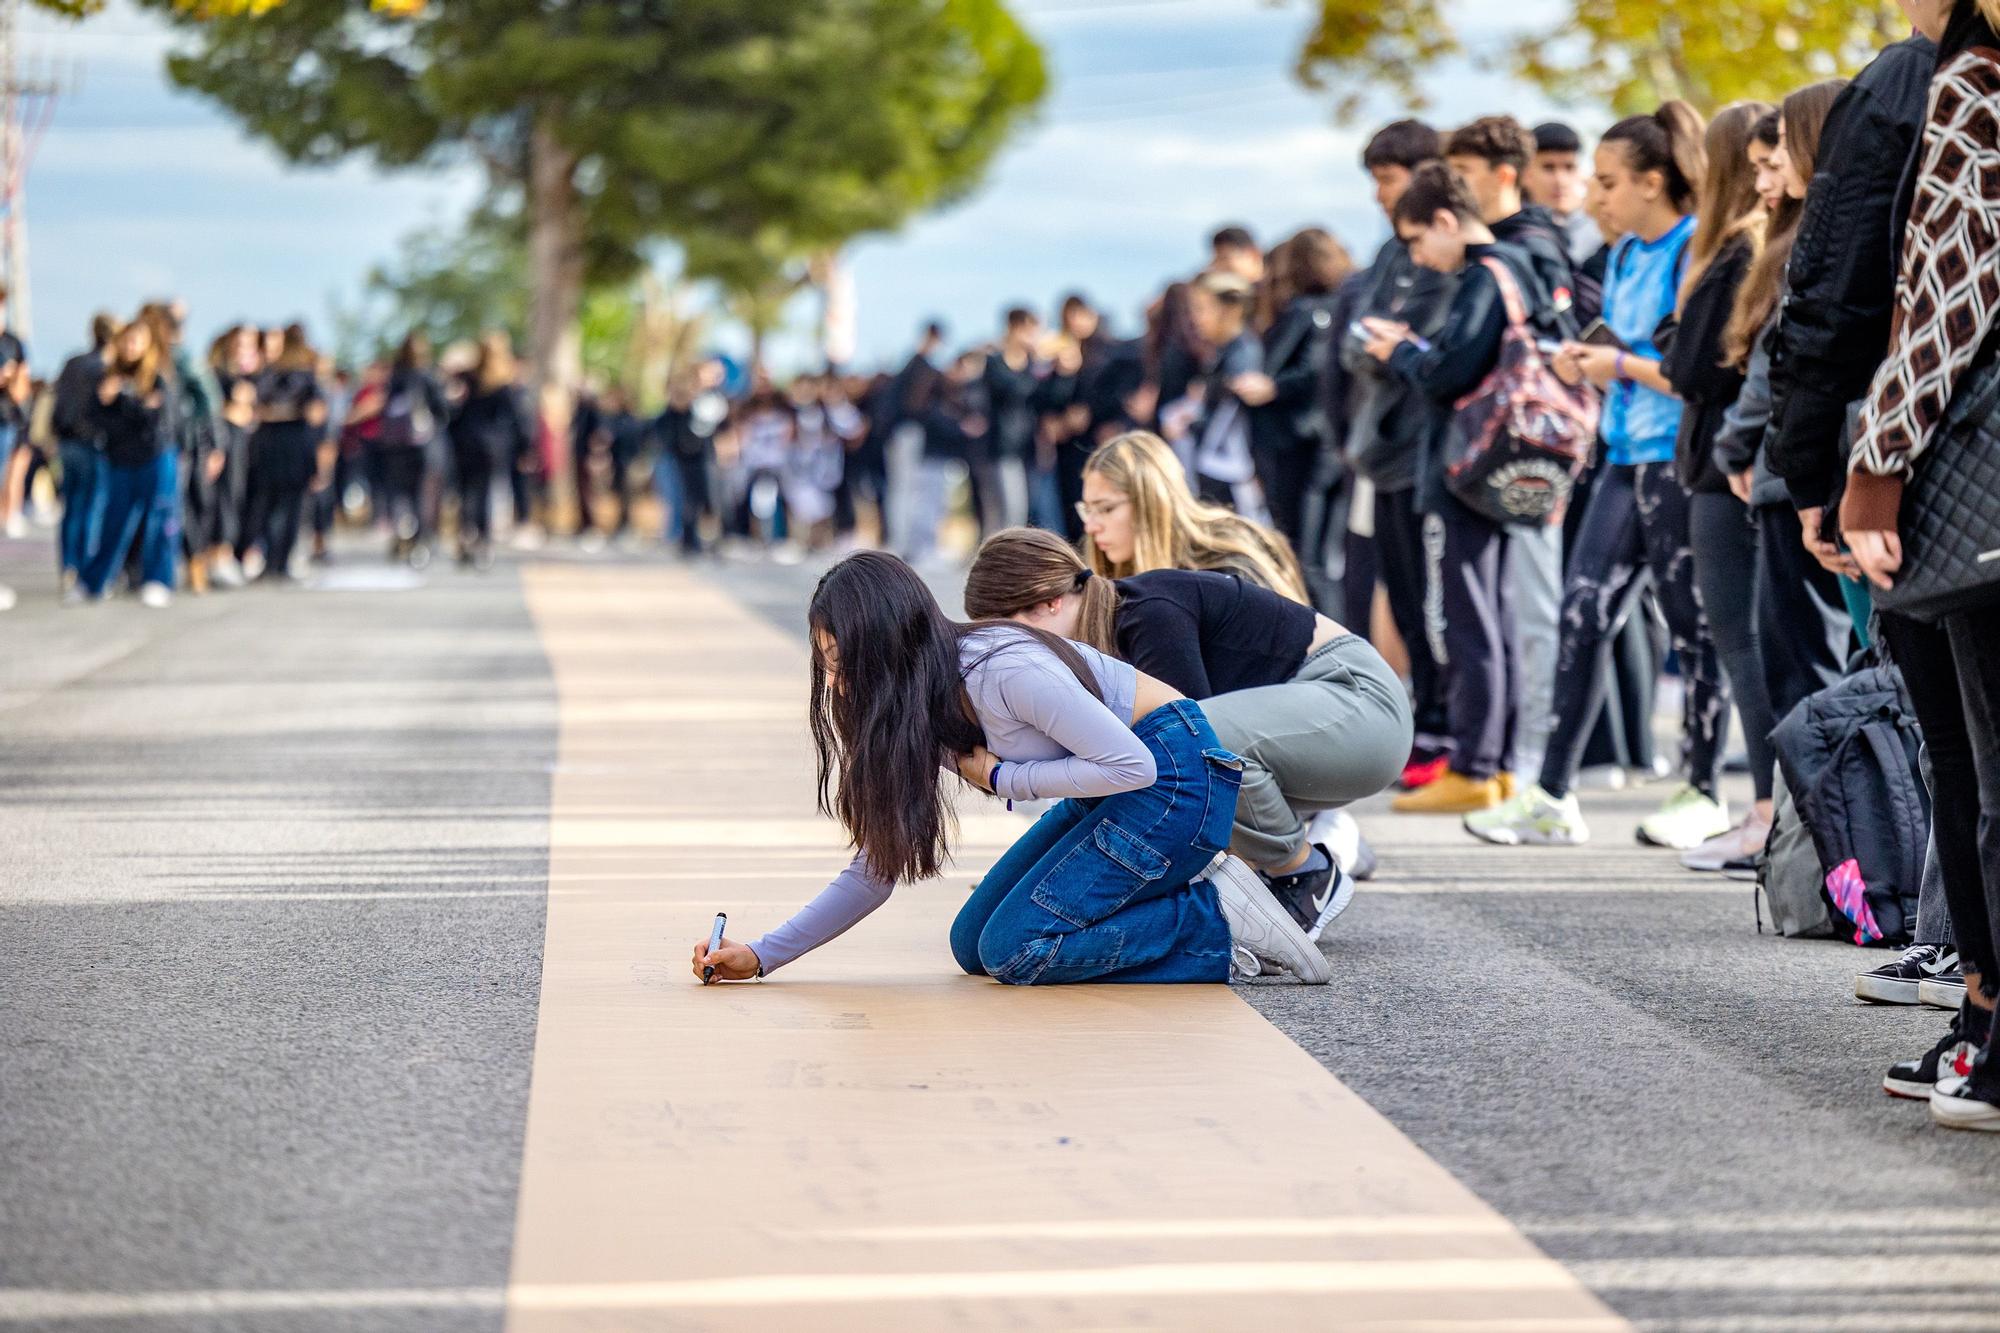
(1098, 889)
(82, 502)
(140, 504)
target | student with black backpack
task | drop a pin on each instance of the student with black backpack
(1439, 220)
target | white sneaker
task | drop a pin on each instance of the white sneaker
(17, 525)
(1337, 831)
(7, 598)
(156, 595)
(1685, 821)
(252, 568)
(591, 542)
(1745, 840)
(1533, 818)
(225, 573)
(1598, 777)
(1260, 927)
(526, 538)
(1954, 1106)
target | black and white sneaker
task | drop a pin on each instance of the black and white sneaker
(1315, 893)
(1260, 931)
(1897, 982)
(1946, 990)
(1950, 1058)
(1743, 869)
(1955, 1105)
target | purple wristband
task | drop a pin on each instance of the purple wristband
(1618, 367)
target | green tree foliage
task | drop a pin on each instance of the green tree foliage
(1626, 54)
(614, 123)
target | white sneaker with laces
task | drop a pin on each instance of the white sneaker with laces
(1260, 927)
(1686, 820)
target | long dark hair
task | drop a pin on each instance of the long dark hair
(1670, 141)
(1803, 113)
(890, 710)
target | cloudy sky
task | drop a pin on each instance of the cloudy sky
(1164, 118)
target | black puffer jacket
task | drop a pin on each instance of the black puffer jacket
(1834, 327)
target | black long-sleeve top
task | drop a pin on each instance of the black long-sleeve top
(74, 417)
(1388, 426)
(495, 420)
(1298, 351)
(1693, 365)
(1207, 633)
(131, 425)
(1011, 396)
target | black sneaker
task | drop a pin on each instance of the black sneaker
(1315, 893)
(1743, 869)
(1946, 990)
(1951, 1057)
(1897, 982)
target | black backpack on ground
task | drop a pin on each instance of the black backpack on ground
(1849, 757)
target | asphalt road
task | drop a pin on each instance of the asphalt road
(272, 876)
(272, 869)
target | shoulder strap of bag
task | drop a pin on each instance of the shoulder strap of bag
(1510, 292)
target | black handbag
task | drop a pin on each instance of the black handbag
(1951, 509)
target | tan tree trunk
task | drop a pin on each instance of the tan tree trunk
(555, 278)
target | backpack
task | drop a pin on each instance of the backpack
(1849, 754)
(406, 421)
(1519, 441)
(1788, 874)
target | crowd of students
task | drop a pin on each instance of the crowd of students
(1212, 539)
(1772, 322)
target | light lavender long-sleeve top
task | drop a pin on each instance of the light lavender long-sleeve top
(1054, 737)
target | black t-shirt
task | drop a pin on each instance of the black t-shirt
(1208, 633)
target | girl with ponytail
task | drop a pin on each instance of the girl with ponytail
(1648, 171)
(1318, 718)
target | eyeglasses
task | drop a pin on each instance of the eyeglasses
(1086, 511)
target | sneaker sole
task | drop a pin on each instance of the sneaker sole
(1651, 840)
(1343, 894)
(1908, 1089)
(1885, 990)
(1532, 838)
(1940, 997)
(1953, 1113)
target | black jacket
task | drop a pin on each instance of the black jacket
(1298, 349)
(131, 425)
(1465, 350)
(1012, 405)
(74, 417)
(1535, 232)
(493, 422)
(1833, 329)
(1693, 365)
(1388, 426)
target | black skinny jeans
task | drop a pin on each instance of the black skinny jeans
(1952, 672)
(1725, 554)
(1637, 521)
(1803, 626)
